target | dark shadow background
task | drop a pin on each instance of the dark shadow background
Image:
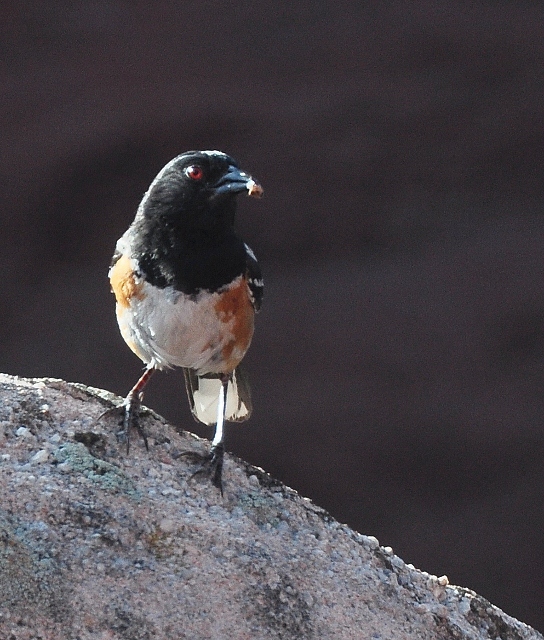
(397, 367)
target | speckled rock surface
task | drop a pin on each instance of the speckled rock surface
(95, 543)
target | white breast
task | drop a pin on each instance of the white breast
(166, 328)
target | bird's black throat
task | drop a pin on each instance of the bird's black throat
(189, 257)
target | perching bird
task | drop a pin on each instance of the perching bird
(187, 289)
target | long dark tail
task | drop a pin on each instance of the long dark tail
(203, 394)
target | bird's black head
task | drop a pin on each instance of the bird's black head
(197, 189)
(183, 234)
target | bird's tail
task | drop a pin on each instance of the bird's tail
(203, 392)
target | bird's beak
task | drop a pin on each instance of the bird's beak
(236, 181)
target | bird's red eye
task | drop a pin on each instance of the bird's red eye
(194, 172)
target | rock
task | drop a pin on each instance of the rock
(100, 544)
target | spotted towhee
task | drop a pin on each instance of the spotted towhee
(187, 289)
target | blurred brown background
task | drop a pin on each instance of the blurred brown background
(397, 367)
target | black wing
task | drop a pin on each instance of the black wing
(254, 278)
(117, 254)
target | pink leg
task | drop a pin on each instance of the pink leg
(132, 406)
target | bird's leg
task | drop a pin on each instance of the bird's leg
(132, 405)
(131, 408)
(217, 449)
(212, 464)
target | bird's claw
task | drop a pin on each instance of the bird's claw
(211, 464)
(128, 414)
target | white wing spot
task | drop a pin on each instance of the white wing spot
(250, 252)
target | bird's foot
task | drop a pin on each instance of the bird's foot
(128, 415)
(211, 464)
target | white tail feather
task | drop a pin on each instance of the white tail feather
(205, 399)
